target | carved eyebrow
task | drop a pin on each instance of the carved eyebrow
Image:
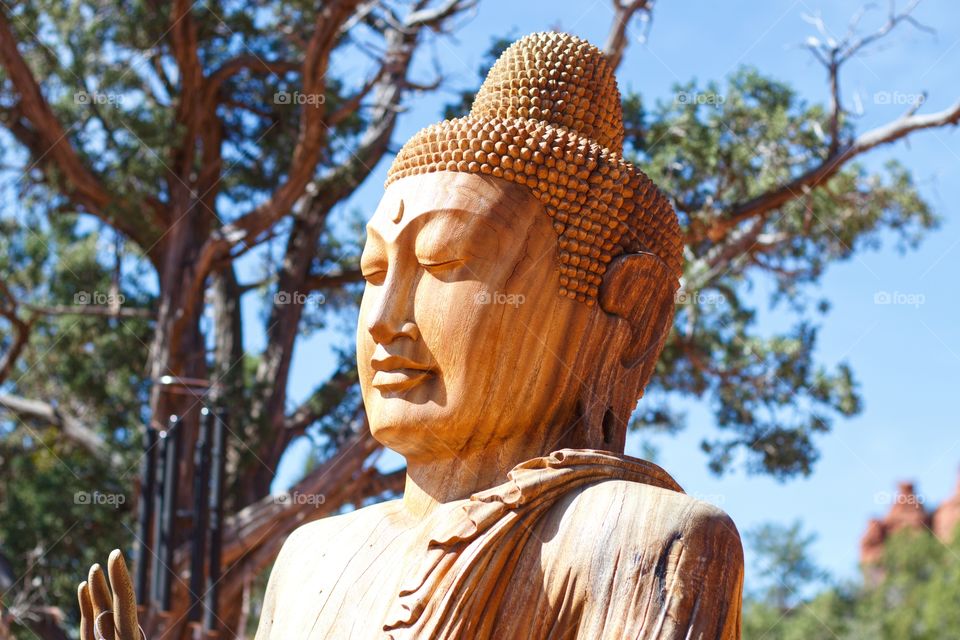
(468, 216)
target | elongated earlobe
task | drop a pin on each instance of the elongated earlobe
(639, 288)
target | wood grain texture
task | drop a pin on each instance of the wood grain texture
(520, 281)
(511, 318)
(579, 544)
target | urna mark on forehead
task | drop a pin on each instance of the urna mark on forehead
(477, 201)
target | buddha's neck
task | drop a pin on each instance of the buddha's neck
(433, 482)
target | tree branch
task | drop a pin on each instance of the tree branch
(21, 330)
(72, 428)
(832, 54)
(777, 197)
(623, 12)
(434, 18)
(336, 480)
(50, 145)
(332, 280)
(91, 310)
(321, 401)
(249, 62)
(310, 139)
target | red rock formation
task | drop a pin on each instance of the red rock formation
(871, 544)
(907, 512)
(947, 516)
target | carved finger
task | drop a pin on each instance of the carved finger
(102, 602)
(86, 612)
(124, 599)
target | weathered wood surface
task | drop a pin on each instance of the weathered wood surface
(520, 280)
(579, 544)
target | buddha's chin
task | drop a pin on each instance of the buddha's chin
(412, 431)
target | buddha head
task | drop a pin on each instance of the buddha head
(520, 275)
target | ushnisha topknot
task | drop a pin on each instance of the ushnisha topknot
(548, 116)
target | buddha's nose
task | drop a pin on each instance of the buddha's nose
(390, 318)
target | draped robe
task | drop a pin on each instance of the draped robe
(579, 544)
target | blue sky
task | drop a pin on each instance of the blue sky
(906, 357)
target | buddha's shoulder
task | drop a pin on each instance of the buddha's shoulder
(316, 534)
(633, 513)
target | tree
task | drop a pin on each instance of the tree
(197, 134)
(915, 599)
(179, 140)
(784, 565)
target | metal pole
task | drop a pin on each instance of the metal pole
(201, 464)
(148, 477)
(218, 456)
(158, 510)
(169, 512)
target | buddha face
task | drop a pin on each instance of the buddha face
(463, 340)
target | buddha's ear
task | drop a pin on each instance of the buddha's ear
(639, 288)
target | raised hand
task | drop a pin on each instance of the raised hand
(106, 614)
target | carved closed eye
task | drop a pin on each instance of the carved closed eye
(373, 269)
(434, 265)
(374, 276)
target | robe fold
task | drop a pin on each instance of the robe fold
(579, 544)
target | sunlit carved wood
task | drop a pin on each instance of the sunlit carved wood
(520, 281)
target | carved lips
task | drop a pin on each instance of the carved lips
(396, 373)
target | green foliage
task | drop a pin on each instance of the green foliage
(785, 568)
(912, 594)
(61, 507)
(107, 69)
(711, 148)
(59, 514)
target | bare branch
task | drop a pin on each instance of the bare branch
(72, 428)
(832, 53)
(623, 12)
(434, 18)
(852, 45)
